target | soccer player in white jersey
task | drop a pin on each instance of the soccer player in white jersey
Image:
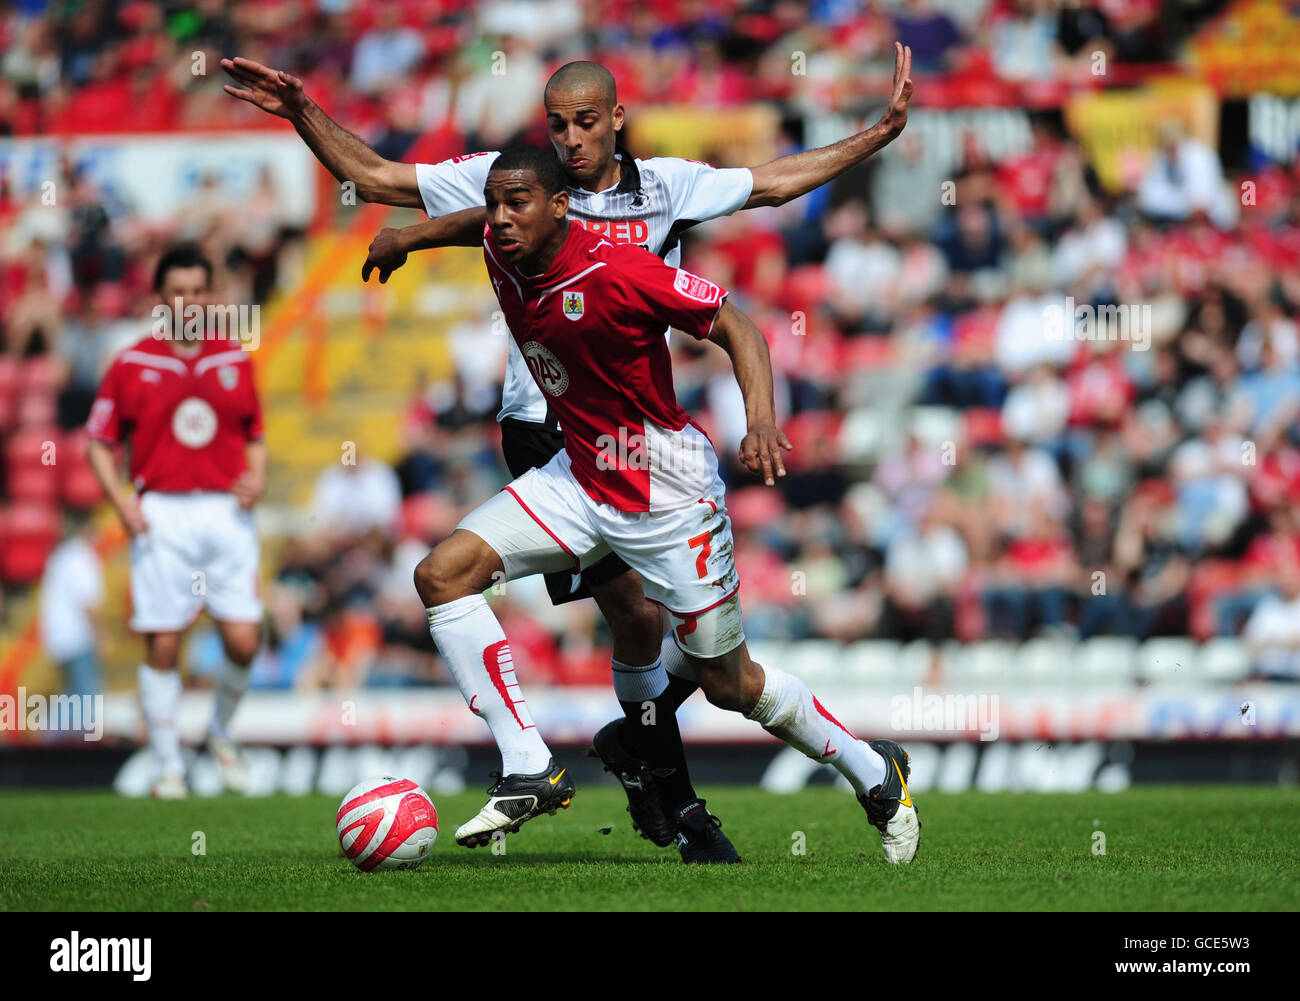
(647, 203)
(189, 414)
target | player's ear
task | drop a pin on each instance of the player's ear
(560, 203)
(617, 118)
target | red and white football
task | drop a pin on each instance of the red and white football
(387, 823)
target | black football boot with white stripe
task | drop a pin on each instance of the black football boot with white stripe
(515, 799)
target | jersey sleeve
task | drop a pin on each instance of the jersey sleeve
(700, 191)
(105, 420)
(656, 295)
(453, 184)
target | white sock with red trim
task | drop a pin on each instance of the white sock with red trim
(471, 641)
(160, 698)
(787, 709)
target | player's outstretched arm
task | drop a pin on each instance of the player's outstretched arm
(104, 467)
(790, 176)
(343, 154)
(760, 449)
(390, 246)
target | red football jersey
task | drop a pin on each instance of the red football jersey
(187, 420)
(592, 331)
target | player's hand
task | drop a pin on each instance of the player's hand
(760, 451)
(274, 91)
(385, 253)
(894, 117)
(248, 489)
(132, 519)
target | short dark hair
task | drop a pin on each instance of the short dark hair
(540, 160)
(181, 255)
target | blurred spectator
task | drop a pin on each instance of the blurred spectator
(72, 592)
(1273, 631)
(356, 496)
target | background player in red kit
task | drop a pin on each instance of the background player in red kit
(638, 478)
(189, 413)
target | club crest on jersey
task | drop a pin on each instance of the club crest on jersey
(573, 305)
(547, 370)
(228, 376)
(194, 423)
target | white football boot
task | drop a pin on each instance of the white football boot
(170, 785)
(230, 763)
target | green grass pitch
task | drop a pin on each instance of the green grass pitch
(1166, 848)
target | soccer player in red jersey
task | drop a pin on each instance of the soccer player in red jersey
(189, 413)
(647, 203)
(636, 477)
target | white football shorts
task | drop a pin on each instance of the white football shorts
(544, 521)
(201, 550)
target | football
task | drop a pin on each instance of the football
(387, 823)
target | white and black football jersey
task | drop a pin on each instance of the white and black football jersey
(650, 207)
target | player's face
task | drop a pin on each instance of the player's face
(524, 220)
(583, 129)
(183, 287)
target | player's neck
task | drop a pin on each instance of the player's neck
(545, 257)
(607, 178)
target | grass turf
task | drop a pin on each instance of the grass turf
(1167, 848)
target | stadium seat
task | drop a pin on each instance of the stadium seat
(1224, 660)
(9, 392)
(815, 661)
(1103, 659)
(79, 489)
(871, 662)
(32, 458)
(913, 664)
(985, 663)
(1168, 660)
(28, 533)
(1043, 661)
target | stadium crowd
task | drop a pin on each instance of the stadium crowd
(1021, 405)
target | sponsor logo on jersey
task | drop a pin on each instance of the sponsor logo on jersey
(695, 287)
(546, 368)
(573, 305)
(618, 230)
(194, 422)
(150, 375)
(228, 376)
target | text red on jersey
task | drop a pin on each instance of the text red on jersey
(592, 331)
(187, 419)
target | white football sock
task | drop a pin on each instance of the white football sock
(471, 641)
(160, 697)
(233, 685)
(787, 709)
(674, 660)
(639, 684)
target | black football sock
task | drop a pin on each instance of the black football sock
(651, 731)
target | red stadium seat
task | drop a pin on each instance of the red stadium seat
(28, 533)
(40, 375)
(10, 381)
(32, 458)
(79, 488)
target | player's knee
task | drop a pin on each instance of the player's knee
(444, 576)
(242, 649)
(638, 623)
(722, 688)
